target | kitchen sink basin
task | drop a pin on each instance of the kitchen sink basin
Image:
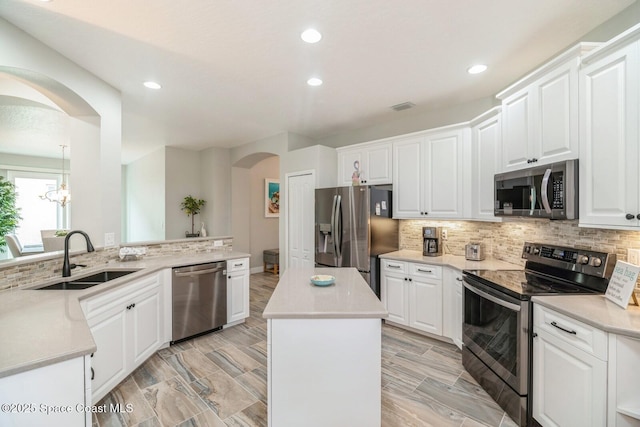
(88, 281)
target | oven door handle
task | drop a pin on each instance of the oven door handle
(505, 304)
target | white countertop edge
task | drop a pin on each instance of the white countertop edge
(87, 345)
(599, 305)
(454, 261)
(326, 315)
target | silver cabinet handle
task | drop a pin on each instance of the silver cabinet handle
(424, 271)
(393, 266)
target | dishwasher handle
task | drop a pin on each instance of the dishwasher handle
(179, 273)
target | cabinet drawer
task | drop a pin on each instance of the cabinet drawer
(571, 331)
(426, 271)
(122, 296)
(394, 266)
(237, 264)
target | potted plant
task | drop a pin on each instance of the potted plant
(192, 206)
(9, 213)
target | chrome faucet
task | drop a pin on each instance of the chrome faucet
(66, 267)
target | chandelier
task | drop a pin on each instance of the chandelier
(61, 195)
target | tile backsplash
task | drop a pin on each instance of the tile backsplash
(13, 276)
(504, 240)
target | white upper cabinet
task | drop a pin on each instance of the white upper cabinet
(609, 113)
(371, 160)
(540, 114)
(486, 137)
(428, 173)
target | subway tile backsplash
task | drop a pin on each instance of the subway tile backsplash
(504, 240)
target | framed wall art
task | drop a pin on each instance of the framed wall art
(272, 198)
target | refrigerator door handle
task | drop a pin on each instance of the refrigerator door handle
(333, 229)
(337, 239)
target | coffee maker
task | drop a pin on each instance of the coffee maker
(431, 241)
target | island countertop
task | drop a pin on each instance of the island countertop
(295, 297)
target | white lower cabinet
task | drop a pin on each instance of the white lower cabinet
(624, 382)
(237, 290)
(452, 305)
(53, 395)
(412, 294)
(569, 371)
(128, 325)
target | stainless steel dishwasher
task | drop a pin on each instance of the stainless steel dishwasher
(199, 299)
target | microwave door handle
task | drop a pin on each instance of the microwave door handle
(533, 199)
(543, 191)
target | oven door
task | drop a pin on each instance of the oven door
(496, 330)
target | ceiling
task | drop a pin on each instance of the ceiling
(234, 72)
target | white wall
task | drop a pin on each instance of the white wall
(80, 94)
(215, 184)
(145, 179)
(241, 216)
(182, 178)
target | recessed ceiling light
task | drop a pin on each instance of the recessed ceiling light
(476, 69)
(311, 35)
(152, 85)
(314, 81)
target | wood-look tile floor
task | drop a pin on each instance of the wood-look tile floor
(220, 379)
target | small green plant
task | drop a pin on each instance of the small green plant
(9, 213)
(192, 206)
(61, 233)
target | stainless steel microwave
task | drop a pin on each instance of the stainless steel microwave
(549, 191)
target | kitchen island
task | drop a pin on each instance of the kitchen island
(324, 350)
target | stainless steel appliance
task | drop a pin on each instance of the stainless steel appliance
(549, 191)
(199, 299)
(497, 316)
(431, 241)
(354, 225)
(474, 251)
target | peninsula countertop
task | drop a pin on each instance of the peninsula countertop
(43, 327)
(295, 297)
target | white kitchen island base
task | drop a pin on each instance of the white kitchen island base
(324, 348)
(324, 372)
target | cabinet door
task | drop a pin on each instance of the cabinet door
(517, 135)
(346, 160)
(485, 149)
(237, 296)
(146, 324)
(425, 305)
(443, 182)
(407, 178)
(609, 140)
(556, 120)
(378, 164)
(109, 361)
(559, 371)
(393, 292)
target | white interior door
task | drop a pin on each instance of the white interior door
(300, 219)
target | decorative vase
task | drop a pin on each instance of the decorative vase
(203, 231)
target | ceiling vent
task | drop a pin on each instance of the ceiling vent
(403, 106)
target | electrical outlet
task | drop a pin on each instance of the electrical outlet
(444, 234)
(109, 239)
(633, 256)
(217, 243)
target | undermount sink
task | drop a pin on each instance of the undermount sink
(88, 281)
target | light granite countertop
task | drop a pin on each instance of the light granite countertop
(43, 327)
(455, 261)
(350, 297)
(597, 311)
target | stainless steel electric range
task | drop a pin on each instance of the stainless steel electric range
(498, 317)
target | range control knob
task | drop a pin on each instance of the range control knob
(527, 249)
(596, 262)
(583, 259)
(535, 250)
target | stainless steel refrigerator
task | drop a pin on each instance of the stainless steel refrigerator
(353, 226)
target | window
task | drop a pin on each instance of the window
(37, 214)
